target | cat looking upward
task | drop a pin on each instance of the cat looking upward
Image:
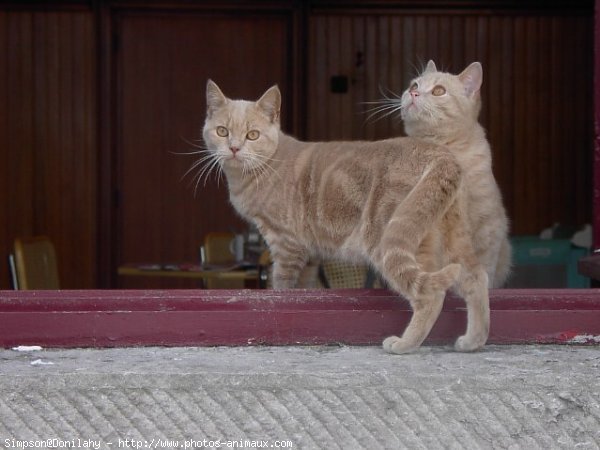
(443, 108)
(395, 204)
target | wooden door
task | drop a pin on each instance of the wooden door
(541, 148)
(163, 63)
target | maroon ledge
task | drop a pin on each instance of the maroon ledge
(122, 318)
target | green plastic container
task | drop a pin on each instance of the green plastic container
(546, 263)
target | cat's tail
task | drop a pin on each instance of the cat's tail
(404, 275)
(442, 280)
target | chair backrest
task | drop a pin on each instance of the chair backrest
(217, 248)
(217, 252)
(340, 275)
(36, 264)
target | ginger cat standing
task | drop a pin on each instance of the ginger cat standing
(395, 204)
(443, 108)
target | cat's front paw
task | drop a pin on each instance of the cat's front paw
(398, 346)
(469, 344)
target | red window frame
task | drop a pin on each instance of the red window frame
(199, 317)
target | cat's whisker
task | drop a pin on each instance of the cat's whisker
(255, 168)
(386, 93)
(261, 168)
(197, 163)
(219, 168)
(254, 165)
(195, 152)
(416, 69)
(199, 143)
(202, 166)
(272, 170)
(208, 164)
(202, 174)
(382, 105)
(384, 110)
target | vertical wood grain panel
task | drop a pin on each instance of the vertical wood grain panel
(317, 122)
(358, 76)
(162, 69)
(20, 122)
(371, 79)
(66, 148)
(4, 156)
(501, 81)
(557, 83)
(49, 137)
(536, 107)
(397, 75)
(18, 209)
(542, 144)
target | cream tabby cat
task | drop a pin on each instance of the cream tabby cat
(394, 204)
(443, 108)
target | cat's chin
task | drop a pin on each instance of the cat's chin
(233, 161)
(410, 114)
(235, 164)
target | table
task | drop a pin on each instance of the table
(189, 271)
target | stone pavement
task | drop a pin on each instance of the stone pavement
(505, 397)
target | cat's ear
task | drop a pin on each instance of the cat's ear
(215, 99)
(270, 103)
(471, 78)
(430, 67)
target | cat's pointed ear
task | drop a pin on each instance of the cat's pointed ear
(215, 99)
(471, 78)
(270, 103)
(430, 67)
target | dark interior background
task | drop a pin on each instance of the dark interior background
(101, 98)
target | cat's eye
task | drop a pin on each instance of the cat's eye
(222, 131)
(438, 90)
(253, 135)
(414, 87)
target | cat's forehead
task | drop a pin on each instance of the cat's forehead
(239, 113)
(431, 79)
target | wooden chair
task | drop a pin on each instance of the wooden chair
(36, 264)
(217, 252)
(265, 276)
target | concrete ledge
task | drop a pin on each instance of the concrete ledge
(304, 397)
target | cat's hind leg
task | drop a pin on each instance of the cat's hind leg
(424, 290)
(472, 285)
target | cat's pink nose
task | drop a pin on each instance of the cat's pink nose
(234, 150)
(414, 93)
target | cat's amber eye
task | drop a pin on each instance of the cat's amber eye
(414, 87)
(253, 135)
(222, 131)
(438, 90)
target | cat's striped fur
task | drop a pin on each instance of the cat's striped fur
(443, 108)
(394, 204)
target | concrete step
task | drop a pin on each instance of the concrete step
(322, 397)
